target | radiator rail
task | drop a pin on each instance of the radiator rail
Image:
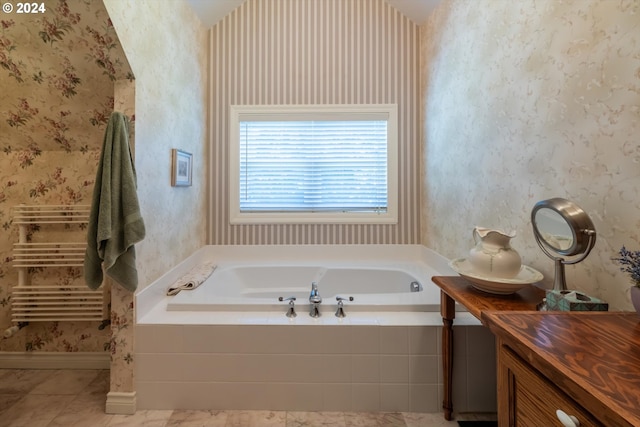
(52, 302)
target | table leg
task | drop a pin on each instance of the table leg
(448, 312)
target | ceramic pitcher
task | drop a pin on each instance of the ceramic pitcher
(493, 255)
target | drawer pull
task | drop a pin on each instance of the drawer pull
(567, 420)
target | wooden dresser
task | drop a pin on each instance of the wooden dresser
(586, 364)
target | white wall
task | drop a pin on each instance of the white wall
(165, 44)
(167, 50)
(525, 101)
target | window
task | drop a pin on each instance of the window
(313, 164)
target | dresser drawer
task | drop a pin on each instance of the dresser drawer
(532, 399)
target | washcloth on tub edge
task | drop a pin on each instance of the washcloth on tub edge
(192, 279)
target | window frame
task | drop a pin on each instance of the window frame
(239, 113)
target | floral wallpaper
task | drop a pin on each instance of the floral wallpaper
(525, 101)
(58, 70)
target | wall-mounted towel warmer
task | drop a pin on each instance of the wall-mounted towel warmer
(53, 302)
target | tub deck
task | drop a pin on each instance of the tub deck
(372, 360)
(200, 306)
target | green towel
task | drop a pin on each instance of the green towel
(115, 223)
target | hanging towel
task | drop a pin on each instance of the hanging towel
(115, 223)
(192, 279)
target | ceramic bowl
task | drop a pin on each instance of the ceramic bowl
(496, 285)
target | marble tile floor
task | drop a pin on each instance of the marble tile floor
(76, 398)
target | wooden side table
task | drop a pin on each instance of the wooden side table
(457, 289)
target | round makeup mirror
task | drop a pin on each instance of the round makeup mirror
(562, 229)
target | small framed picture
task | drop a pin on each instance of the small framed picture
(181, 165)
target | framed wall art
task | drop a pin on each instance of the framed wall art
(181, 168)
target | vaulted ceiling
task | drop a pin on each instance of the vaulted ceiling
(212, 11)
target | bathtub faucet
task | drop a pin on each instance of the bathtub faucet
(315, 299)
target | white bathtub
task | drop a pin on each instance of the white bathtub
(229, 344)
(394, 287)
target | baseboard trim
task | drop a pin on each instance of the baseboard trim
(121, 403)
(54, 360)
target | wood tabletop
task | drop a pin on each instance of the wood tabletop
(476, 301)
(595, 356)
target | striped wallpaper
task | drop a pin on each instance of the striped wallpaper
(315, 52)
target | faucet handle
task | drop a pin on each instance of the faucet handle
(340, 311)
(340, 299)
(291, 312)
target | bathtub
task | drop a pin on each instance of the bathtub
(396, 287)
(229, 345)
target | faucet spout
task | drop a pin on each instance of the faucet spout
(315, 299)
(314, 296)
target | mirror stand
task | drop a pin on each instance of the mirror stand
(559, 280)
(561, 228)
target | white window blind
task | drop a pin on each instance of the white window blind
(313, 164)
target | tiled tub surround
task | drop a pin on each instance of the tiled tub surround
(367, 361)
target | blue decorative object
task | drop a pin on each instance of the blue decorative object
(573, 301)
